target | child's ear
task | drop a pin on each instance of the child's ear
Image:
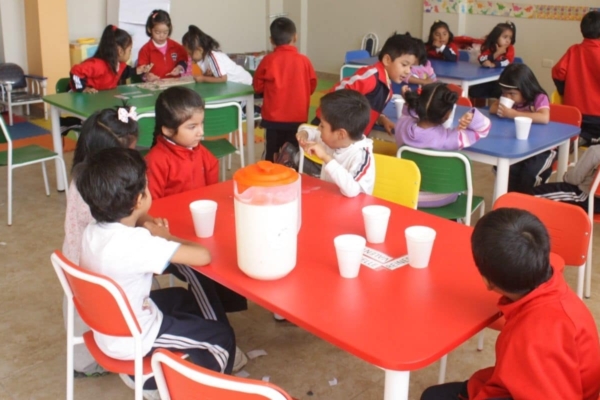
(167, 132)
(295, 38)
(271, 40)
(138, 201)
(386, 60)
(342, 134)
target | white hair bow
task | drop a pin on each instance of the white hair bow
(124, 115)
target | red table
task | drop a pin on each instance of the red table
(399, 320)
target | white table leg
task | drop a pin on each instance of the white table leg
(57, 143)
(396, 385)
(250, 129)
(501, 184)
(465, 88)
(563, 160)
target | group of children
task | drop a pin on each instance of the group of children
(107, 217)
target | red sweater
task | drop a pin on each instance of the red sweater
(548, 349)
(174, 169)
(287, 79)
(576, 74)
(502, 60)
(449, 53)
(96, 73)
(163, 63)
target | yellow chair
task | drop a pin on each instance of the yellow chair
(556, 98)
(397, 180)
(385, 147)
(310, 157)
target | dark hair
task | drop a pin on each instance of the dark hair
(194, 39)
(111, 39)
(521, 77)
(174, 106)
(398, 45)
(421, 51)
(346, 109)
(110, 182)
(492, 38)
(158, 17)
(439, 24)
(590, 25)
(511, 249)
(103, 130)
(282, 31)
(434, 102)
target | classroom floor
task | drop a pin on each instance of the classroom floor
(33, 345)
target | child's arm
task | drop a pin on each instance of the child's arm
(157, 174)
(359, 178)
(417, 81)
(494, 106)
(81, 72)
(211, 167)
(541, 115)
(587, 164)
(188, 253)
(559, 72)
(449, 52)
(485, 59)
(472, 126)
(258, 81)
(210, 79)
(313, 77)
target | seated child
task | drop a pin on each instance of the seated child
(575, 188)
(340, 142)
(440, 43)
(549, 347)
(421, 73)
(113, 184)
(422, 126)
(498, 49)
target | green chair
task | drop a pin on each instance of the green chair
(349, 70)
(23, 156)
(63, 85)
(219, 120)
(146, 122)
(446, 172)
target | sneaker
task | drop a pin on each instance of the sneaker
(97, 374)
(240, 360)
(278, 317)
(148, 394)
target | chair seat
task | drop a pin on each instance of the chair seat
(220, 147)
(22, 97)
(26, 154)
(454, 210)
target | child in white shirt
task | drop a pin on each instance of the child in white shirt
(340, 142)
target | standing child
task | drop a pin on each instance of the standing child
(440, 43)
(161, 57)
(421, 126)
(118, 245)
(548, 348)
(497, 50)
(287, 80)
(519, 84)
(576, 78)
(396, 57)
(421, 73)
(340, 142)
(216, 66)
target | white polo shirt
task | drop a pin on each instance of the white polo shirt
(220, 64)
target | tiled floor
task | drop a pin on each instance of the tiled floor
(32, 349)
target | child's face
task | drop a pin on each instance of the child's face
(333, 139)
(145, 202)
(505, 39)
(513, 94)
(399, 69)
(124, 55)
(189, 133)
(441, 36)
(160, 33)
(196, 54)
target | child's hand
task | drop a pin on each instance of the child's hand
(488, 64)
(505, 112)
(160, 230)
(387, 124)
(144, 69)
(465, 120)
(90, 90)
(302, 138)
(178, 70)
(405, 89)
(316, 149)
(437, 43)
(150, 77)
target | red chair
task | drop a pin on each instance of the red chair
(455, 88)
(104, 307)
(177, 378)
(462, 101)
(566, 115)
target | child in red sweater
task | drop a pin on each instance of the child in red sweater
(549, 347)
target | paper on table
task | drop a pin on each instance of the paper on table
(256, 353)
(369, 263)
(242, 374)
(333, 382)
(376, 255)
(266, 378)
(396, 263)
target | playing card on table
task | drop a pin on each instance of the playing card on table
(396, 263)
(376, 255)
(370, 263)
(120, 96)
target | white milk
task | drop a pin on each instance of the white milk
(267, 237)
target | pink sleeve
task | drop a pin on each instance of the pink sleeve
(541, 101)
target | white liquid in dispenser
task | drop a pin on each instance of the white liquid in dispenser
(266, 238)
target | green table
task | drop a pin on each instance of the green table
(85, 104)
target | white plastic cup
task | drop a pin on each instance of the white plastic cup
(448, 123)
(506, 102)
(523, 125)
(349, 250)
(203, 215)
(376, 222)
(419, 241)
(399, 103)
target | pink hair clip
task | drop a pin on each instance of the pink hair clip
(124, 115)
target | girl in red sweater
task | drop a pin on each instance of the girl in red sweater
(440, 43)
(498, 49)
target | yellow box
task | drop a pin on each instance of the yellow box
(82, 49)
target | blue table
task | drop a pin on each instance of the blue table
(462, 73)
(502, 149)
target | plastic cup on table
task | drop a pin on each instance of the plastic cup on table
(376, 220)
(399, 103)
(506, 102)
(448, 123)
(523, 125)
(419, 241)
(203, 215)
(349, 250)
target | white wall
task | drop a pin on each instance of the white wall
(87, 18)
(14, 45)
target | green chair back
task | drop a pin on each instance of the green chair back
(222, 120)
(63, 85)
(442, 173)
(146, 124)
(349, 70)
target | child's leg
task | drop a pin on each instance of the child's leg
(563, 192)
(531, 172)
(446, 391)
(270, 144)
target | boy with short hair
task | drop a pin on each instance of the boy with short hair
(340, 142)
(576, 78)
(396, 57)
(287, 79)
(113, 183)
(549, 347)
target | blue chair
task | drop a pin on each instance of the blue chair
(463, 55)
(355, 54)
(518, 60)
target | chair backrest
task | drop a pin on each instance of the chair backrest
(370, 43)
(355, 55)
(385, 147)
(177, 379)
(349, 70)
(63, 85)
(518, 60)
(146, 123)
(397, 180)
(464, 101)
(221, 119)
(14, 74)
(5, 137)
(99, 300)
(568, 226)
(556, 98)
(463, 55)
(565, 114)
(455, 88)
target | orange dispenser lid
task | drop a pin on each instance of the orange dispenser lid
(264, 174)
